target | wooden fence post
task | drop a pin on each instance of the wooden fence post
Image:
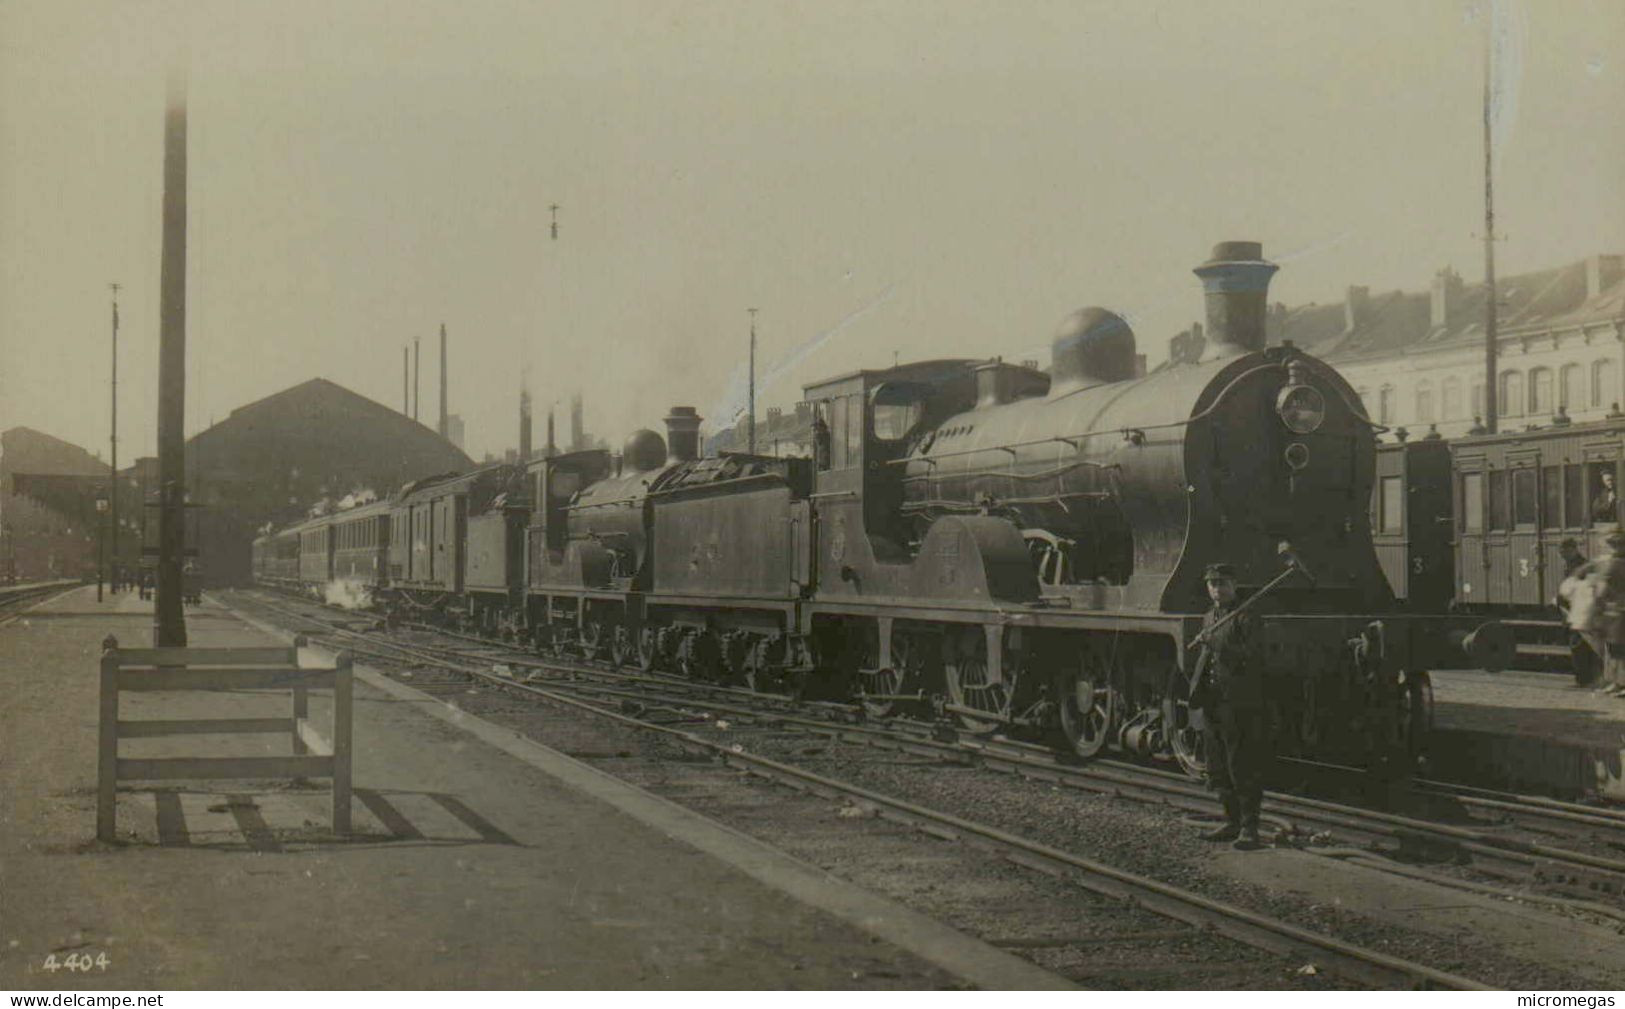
(107, 745)
(342, 682)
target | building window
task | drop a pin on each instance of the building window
(1385, 405)
(1603, 384)
(1393, 502)
(1509, 399)
(1424, 403)
(1450, 399)
(1540, 391)
(1570, 394)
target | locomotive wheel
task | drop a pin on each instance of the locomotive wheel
(736, 649)
(762, 669)
(592, 639)
(905, 675)
(648, 647)
(1185, 738)
(964, 667)
(623, 646)
(702, 657)
(1088, 706)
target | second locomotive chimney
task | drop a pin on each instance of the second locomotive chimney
(524, 424)
(683, 433)
(1237, 281)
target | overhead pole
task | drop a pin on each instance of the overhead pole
(113, 440)
(751, 405)
(169, 618)
(442, 428)
(406, 380)
(417, 376)
(1491, 390)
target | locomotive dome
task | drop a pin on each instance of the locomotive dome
(644, 450)
(1092, 346)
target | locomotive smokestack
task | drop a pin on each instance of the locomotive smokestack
(524, 424)
(1237, 280)
(683, 433)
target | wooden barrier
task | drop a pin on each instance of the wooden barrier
(143, 669)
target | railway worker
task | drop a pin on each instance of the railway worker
(1576, 598)
(1230, 691)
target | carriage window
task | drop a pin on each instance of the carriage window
(1499, 502)
(1524, 497)
(1574, 495)
(1393, 503)
(1472, 502)
(1604, 499)
(1551, 496)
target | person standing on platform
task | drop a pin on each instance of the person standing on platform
(1607, 619)
(1229, 689)
(1605, 506)
(1576, 599)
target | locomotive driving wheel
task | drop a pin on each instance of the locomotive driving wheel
(702, 657)
(1088, 705)
(592, 639)
(964, 667)
(623, 646)
(1185, 735)
(765, 665)
(648, 647)
(905, 675)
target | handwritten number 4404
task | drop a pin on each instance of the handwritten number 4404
(81, 962)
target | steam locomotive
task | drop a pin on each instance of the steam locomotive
(1012, 548)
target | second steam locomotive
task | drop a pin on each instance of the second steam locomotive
(1010, 547)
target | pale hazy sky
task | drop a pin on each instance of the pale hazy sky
(934, 179)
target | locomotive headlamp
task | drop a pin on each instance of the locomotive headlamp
(1302, 408)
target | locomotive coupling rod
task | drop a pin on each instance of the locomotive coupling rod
(1294, 566)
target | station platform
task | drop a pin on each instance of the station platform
(479, 859)
(1527, 731)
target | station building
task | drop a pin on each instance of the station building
(1417, 357)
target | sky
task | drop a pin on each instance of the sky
(919, 179)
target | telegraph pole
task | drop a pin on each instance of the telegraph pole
(113, 465)
(1491, 389)
(169, 618)
(752, 404)
(417, 375)
(406, 380)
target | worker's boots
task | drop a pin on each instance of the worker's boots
(1248, 839)
(1231, 828)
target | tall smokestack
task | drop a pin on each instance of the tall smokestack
(442, 427)
(168, 615)
(524, 424)
(683, 433)
(406, 380)
(552, 447)
(417, 376)
(1237, 281)
(576, 434)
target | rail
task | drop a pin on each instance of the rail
(221, 669)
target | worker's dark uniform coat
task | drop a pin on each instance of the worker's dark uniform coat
(1230, 691)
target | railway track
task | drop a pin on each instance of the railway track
(16, 598)
(1348, 960)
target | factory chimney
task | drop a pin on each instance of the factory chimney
(442, 428)
(524, 424)
(683, 433)
(1237, 280)
(576, 434)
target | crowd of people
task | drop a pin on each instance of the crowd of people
(1592, 595)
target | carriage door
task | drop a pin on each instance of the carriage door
(1472, 553)
(1525, 567)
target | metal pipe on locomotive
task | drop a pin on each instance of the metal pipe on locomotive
(1009, 547)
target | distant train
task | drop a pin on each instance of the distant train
(1002, 545)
